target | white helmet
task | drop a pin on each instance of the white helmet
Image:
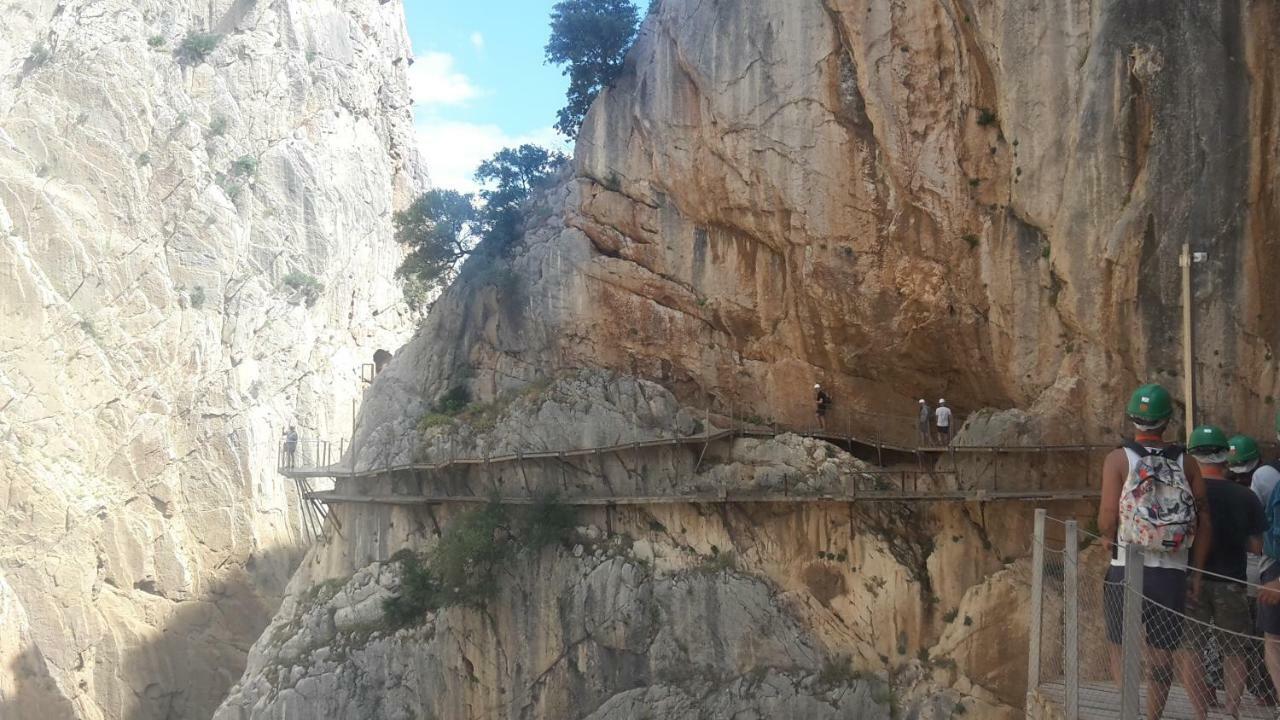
(922, 402)
(817, 386)
(942, 401)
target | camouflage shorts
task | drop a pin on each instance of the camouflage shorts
(1224, 606)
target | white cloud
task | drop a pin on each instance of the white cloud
(434, 81)
(452, 150)
(477, 41)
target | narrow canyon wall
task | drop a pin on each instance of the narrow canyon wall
(162, 216)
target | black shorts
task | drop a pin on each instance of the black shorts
(1164, 592)
(1269, 615)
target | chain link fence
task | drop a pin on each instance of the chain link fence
(1115, 642)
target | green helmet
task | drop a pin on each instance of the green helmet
(1150, 402)
(1208, 437)
(1243, 450)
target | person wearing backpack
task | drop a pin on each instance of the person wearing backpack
(1222, 607)
(821, 403)
(1153, 497)
(1246, 468)
(1263, 480)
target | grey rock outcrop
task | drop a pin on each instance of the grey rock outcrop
(195, 252)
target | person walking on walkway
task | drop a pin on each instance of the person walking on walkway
(926, 416)
(943, 414)
(1148, 477)
(1244, 463)
(1264, 480)
(290, 446)
(1222, 607)
(822, 402)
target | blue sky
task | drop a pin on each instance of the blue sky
(479, 82)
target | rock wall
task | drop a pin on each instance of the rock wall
(978, 200)
(161, 217)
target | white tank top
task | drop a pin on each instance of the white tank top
(1153, 558)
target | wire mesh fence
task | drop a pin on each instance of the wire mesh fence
(1113, 641)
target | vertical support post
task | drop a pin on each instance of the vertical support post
(1132, 641)
(353, 437)
(1188, 341)
(1070, 622)
(879, 452)
(1037, 607)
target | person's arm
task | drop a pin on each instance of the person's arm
(1204, 519)
(1114, 469)
(1256, 518)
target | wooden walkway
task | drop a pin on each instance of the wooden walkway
(336, 471)
(1101, 701)
(331, 498)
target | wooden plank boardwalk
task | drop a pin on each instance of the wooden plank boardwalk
(336, 471)
(1101, 701)
(714, 498)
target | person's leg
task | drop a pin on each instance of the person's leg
(1113, 610)
(1166, 599)
(1159, 676)
(1271, 655)
(1191, 675)
(1234, 671)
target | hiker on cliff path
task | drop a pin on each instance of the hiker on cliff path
(1263, 481)
(290, 446)
(1244, 463)
(1222, 607)
(943, 414)
(822, 402)
(1145, 478)
(926, 415)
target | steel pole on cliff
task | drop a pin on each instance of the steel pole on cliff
(1188, 342)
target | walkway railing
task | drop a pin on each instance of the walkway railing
(1096, 652)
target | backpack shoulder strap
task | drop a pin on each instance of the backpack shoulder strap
(1136, 447)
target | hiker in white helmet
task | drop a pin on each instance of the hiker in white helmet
(822, 401)
(943, 415)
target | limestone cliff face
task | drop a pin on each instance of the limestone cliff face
(974, 200)
(152, 204)
(982, 201)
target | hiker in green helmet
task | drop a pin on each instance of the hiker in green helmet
(1148, 477)
(1222, 607)
(1246, 461)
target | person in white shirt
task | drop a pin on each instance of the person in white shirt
(943, 415)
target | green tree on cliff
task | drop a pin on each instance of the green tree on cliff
(590, 38)
(440, 230)
(443, 227)
(510, 176)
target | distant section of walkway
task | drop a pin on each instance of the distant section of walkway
(333, 498)
(901, 483)
(336, 470)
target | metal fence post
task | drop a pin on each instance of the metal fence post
(1037, 608)
(1070, 620)
(1131, 645)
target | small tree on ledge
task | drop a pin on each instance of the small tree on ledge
(590, 37)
